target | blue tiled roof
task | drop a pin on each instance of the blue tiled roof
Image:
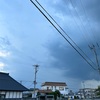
(7, 83)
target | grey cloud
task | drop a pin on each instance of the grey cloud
(92, 7)
(89, 10)
(4, 41)
(66, 57)
(69, 60)
(59, 7)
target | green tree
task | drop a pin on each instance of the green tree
(56, 94)
(38, 93)
(98, 91)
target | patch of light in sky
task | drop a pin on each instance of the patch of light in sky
(2, 66)
(4, 53)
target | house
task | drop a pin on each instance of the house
(44, 92)
(71, 94)
(31, 93)
(10, 88)
(39, 94)
(61, 86)
(45, 95)
(86, 93)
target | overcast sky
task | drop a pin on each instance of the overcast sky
(27, 38)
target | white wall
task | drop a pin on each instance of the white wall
(53, 88)
(11, 94)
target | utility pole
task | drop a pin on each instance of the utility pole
(84, 89)
(97, 61)
(20, 81)
(36, 69)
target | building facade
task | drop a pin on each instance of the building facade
(86, 93)
(61, 86)
(10, 88)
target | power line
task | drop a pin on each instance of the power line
(36, 69)
(92, 47)
(81, 21)
(64, 31)
(96, 57)
(80, 28)
(74, 42)
(62, 34)
(88, 21)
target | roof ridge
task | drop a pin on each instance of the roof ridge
(54, 82)
(9, 83)
(4, 73)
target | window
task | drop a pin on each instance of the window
(47, 88)
(61, 88)
(2, 96)
(55, 87)
(51, 87)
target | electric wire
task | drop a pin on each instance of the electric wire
(64, 31)
(85, 30)
(83, 24)
(84, 37)
(62, 35)
(92, 29)
(80, 28)
(88, 20)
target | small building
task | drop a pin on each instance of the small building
(38, 93)
(61, 86)
(71, 94)
(31, 93)
(44, 92)
(10, 88)
(86, 93)
(45, 95)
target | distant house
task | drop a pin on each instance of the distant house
(71, 94)
(45, 95)
(10, 88)
(31, 93)
(44, 92)
(61, 86)
(86, 93)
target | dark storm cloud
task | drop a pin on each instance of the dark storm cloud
(92, 8)
(87, 9)
(59, 6)
(28, 33)
(69, 60)
(85, 12)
